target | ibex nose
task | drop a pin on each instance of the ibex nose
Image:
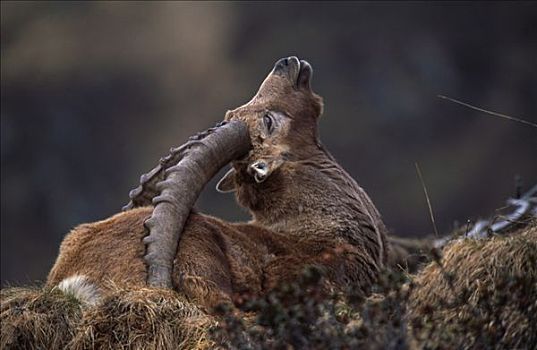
(287, 65)
(259, 170)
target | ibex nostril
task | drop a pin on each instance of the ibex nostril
(260, 166)
(293, 60)
(259, 170)
(281, 65)
(287, 67)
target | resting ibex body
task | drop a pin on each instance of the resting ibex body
(306, 211)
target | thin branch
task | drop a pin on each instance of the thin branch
(488, 112)
(427, 197)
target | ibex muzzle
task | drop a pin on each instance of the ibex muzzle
(297, 71)
(281, 116)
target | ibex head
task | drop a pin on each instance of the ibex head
(282, 121)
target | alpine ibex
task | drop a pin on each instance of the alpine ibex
(306, 211)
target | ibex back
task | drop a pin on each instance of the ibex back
(306, 211)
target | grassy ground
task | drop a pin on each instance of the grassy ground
(475, 294)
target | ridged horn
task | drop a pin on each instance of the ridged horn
(175, 184)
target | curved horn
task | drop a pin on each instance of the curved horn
(174, 186)
(143, 195)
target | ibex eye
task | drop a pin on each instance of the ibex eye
(267, 119)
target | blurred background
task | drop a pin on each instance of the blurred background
(94, 93)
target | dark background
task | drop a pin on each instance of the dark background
(94, 93)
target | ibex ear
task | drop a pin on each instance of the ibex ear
(227, 182)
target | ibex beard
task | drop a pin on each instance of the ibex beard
(307, 211)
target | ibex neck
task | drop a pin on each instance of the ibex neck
(317, 194)
(316, 200)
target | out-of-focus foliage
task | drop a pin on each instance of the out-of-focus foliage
(93, 93)
(301, 315)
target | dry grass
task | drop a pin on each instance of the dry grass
(33, 318)
(133, 319)
(144, 319)
(480, 294)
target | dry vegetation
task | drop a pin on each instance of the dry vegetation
(479, 294)
(143, 319)
(37, 319)
(133, 319)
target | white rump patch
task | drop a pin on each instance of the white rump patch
(80, 288)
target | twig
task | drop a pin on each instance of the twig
(427, 197)
(488, 112)
(468, 222)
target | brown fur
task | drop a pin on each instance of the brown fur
(409, 254)
(309, 211)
